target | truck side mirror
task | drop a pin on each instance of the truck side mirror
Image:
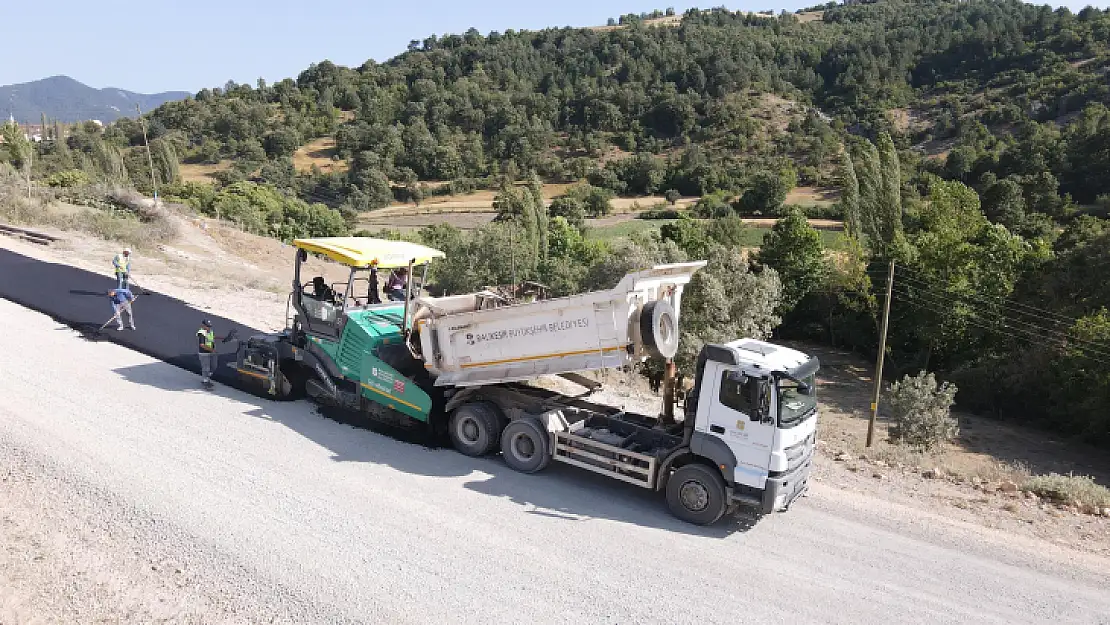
(755, 400)
(302, 255)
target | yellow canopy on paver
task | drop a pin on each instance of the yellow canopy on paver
(365, 251)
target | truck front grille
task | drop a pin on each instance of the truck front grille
(798, 452)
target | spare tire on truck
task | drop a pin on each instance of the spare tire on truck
(659, 329)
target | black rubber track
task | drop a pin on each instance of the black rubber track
(166, 326)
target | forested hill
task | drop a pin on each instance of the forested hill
(702, 103)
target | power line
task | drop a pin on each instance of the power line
(1032, 339)
(999, 302)
(1004, 301)
(1035, 335)
(938, 301)
(1065, 334)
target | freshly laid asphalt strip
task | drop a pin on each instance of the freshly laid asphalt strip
(167, 327)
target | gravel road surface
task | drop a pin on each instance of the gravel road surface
(129, 494)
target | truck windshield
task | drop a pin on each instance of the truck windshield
(796, 400)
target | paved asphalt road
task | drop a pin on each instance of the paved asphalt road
(166, 326)
(280, 513)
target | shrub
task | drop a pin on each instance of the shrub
(712, 206)
(1077, 490)
(69, 178)
(921, 411)
(662, 213)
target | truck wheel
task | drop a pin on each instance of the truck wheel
(696, 494)
(475, 428)
(659, 329)
(524, 444)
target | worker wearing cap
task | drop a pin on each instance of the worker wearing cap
(122, 264)
(206, 351)
(121, 304)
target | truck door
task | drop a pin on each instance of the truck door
(734, 412)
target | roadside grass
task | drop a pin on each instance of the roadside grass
(1073, 490)
(132, 224)
(1080, 491)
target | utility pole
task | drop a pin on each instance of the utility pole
(512, 261)
(30, 155)
(149, 157)
(882, 353)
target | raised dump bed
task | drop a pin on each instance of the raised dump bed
(466, 343)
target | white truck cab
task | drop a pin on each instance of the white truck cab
(754, 409)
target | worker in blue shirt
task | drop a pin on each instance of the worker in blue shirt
(121, 304)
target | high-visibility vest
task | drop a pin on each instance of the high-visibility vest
(122, 263)
(209, 339)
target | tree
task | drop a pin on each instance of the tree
(539, 214)
(1004, 204)
(712, 206)
(849, 195)
(765, 195)
(672, 196)
(888, 211)
(689, 235)
(793, 248)
(17, 145)
(281, 142)
(870, 178)
(726, 300)
(19, 149)
(963, 269)
(166, 166)
(595, 201)
(570, 208)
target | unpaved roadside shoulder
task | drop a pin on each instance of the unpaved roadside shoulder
(72, 553)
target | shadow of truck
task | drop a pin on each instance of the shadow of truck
(559, 492)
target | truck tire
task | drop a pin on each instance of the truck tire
(659, 329)
(475, 428)
(525, 445)
(696, 494)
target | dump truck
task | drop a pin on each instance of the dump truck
(463, 365)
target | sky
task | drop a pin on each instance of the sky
(166, 45)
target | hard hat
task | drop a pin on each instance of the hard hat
(126, 250)
(206, 323)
